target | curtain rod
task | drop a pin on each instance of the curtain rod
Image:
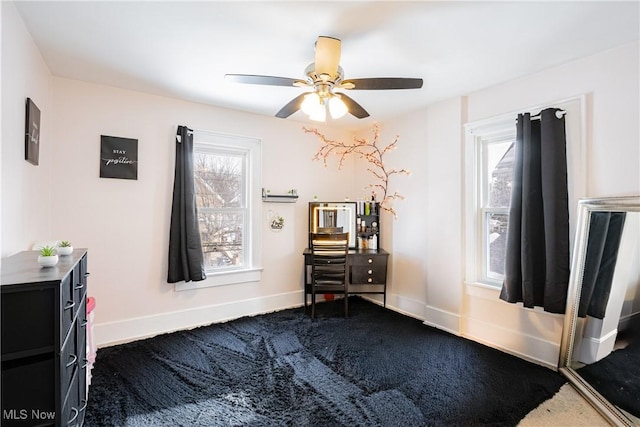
(560, 112)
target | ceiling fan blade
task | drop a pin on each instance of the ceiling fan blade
(382, 83)
(327, 57)
(354, 108)
(264, 80)
(291, 107)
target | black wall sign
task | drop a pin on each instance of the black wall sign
(118, 157)
(32, 133)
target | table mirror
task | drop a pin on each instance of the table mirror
(600, 349)
(336, 216)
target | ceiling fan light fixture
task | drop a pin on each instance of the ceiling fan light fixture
(311, 104)
(320, 115)
(323, 76)
(337, 108)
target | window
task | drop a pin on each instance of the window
(497, 155)
(223, 208)
(493, 158)
(226, 174)
(489, 155)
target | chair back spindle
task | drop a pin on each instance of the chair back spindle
(329, 266)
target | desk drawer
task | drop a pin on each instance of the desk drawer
(363, 275)
(372, 259)
(368, 269)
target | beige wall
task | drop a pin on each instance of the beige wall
(611, 80)
(26, 189)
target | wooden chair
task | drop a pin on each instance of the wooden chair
(329, 267)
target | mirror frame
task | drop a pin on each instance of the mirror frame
(349, 206)
(585, 208)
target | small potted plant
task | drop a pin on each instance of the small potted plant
(65, 248)
(277, 223)
(48, 256)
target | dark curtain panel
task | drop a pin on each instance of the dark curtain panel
(186, 261)
(537, 253)
(605, 232)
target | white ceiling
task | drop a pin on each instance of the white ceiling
(183, 49)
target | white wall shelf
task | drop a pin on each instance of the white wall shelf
(290, 197)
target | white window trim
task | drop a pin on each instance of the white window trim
(505, 133)
(476, 134)
(253, 271)
(493, 127)
(225, 278)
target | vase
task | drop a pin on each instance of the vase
(47, 261)
(64, 250)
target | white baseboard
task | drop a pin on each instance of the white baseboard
(592, 349)
(441, 319)
(407, 306)
(527, 347)
(530, 348)
(112, 333)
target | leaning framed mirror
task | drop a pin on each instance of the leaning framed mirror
(600, 348)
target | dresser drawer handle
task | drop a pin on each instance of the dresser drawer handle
(84, 323)
(70, 305)
(87, 274)
(73, 419)
(369, 260)
(74, 359)
(369, 280)
(369, 271)
(79, 286)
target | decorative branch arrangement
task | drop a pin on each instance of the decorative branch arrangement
(373, 153)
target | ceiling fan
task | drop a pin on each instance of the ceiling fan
(325, 75)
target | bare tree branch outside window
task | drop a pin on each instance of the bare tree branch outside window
(219, 182)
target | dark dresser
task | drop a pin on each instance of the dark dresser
(44, 333)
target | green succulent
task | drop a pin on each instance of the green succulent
(64, 244)
(47, 251)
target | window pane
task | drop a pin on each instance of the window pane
(496, 238)
(221, 234)
(500, 158)
(219, 180)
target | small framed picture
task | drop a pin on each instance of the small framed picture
(118, 157)
(32, 133)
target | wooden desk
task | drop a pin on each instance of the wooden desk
(366, 272)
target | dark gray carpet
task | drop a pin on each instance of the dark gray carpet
(376, 368)
(617, 377)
